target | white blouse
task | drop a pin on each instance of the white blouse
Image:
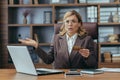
(71, 41)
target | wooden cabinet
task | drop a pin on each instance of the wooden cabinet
(107, 27)
(42, 15)
(109, 49)
(3, 33)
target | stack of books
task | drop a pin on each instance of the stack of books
(107, 57)
(91, 71)
(116, 58)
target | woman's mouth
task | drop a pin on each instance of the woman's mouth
(70, 28)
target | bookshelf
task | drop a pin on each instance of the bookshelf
(97, 11)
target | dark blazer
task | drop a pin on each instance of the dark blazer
(60, 56)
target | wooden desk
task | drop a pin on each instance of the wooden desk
(10, 74)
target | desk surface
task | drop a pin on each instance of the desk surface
(10, 74)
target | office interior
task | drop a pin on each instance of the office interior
(42, 15)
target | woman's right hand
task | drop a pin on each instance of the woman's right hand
(29, 42)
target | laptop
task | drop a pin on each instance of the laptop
(23, 63)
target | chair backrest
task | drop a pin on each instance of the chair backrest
(90, 27)
(92, 30)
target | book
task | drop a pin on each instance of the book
(110, 69)
(47, 17)
(20, 1)
(115, 55)
(91, 71)
(107, 57)
(115, 59)
(36, 2)
(11, 1)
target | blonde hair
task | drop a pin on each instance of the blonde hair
(81, 30)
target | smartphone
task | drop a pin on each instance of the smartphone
(73, 72)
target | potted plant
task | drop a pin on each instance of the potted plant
(25, 14)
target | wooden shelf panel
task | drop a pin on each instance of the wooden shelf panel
(108, 24)
(19, 44)
(31, 5)
(110, 65)
(108, 43)
(42, 24)
(62, 5)
(44, 44)
(112, 4)
(13, 25)
(65, 5)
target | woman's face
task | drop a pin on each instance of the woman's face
(72, 25)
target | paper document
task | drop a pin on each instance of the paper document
(110, 69)
(91, 71)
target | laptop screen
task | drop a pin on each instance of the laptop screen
(22, 59)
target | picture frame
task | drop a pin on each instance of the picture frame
(47, 17)
(27, 1)
(82, 1)
(59, 1)
(54, 1)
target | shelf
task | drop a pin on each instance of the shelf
(66, 5)
(44, 44)
(69, 4)
(109, 4)
(31, 5)
(108, 24)
(42, 24)
(115, 65)
(108, 43)
(46, 5)
(109, 62)
(15, 25)
(41, 44)
(18, 44)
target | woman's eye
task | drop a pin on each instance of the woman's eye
(73, 21)
(67, 21)
(70, 21)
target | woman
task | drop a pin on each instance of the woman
(72, 47)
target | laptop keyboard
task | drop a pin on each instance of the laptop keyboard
(42, 72)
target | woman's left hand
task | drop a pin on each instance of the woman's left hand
(84, 52)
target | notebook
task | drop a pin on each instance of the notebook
(23, 62)
(91, 71)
